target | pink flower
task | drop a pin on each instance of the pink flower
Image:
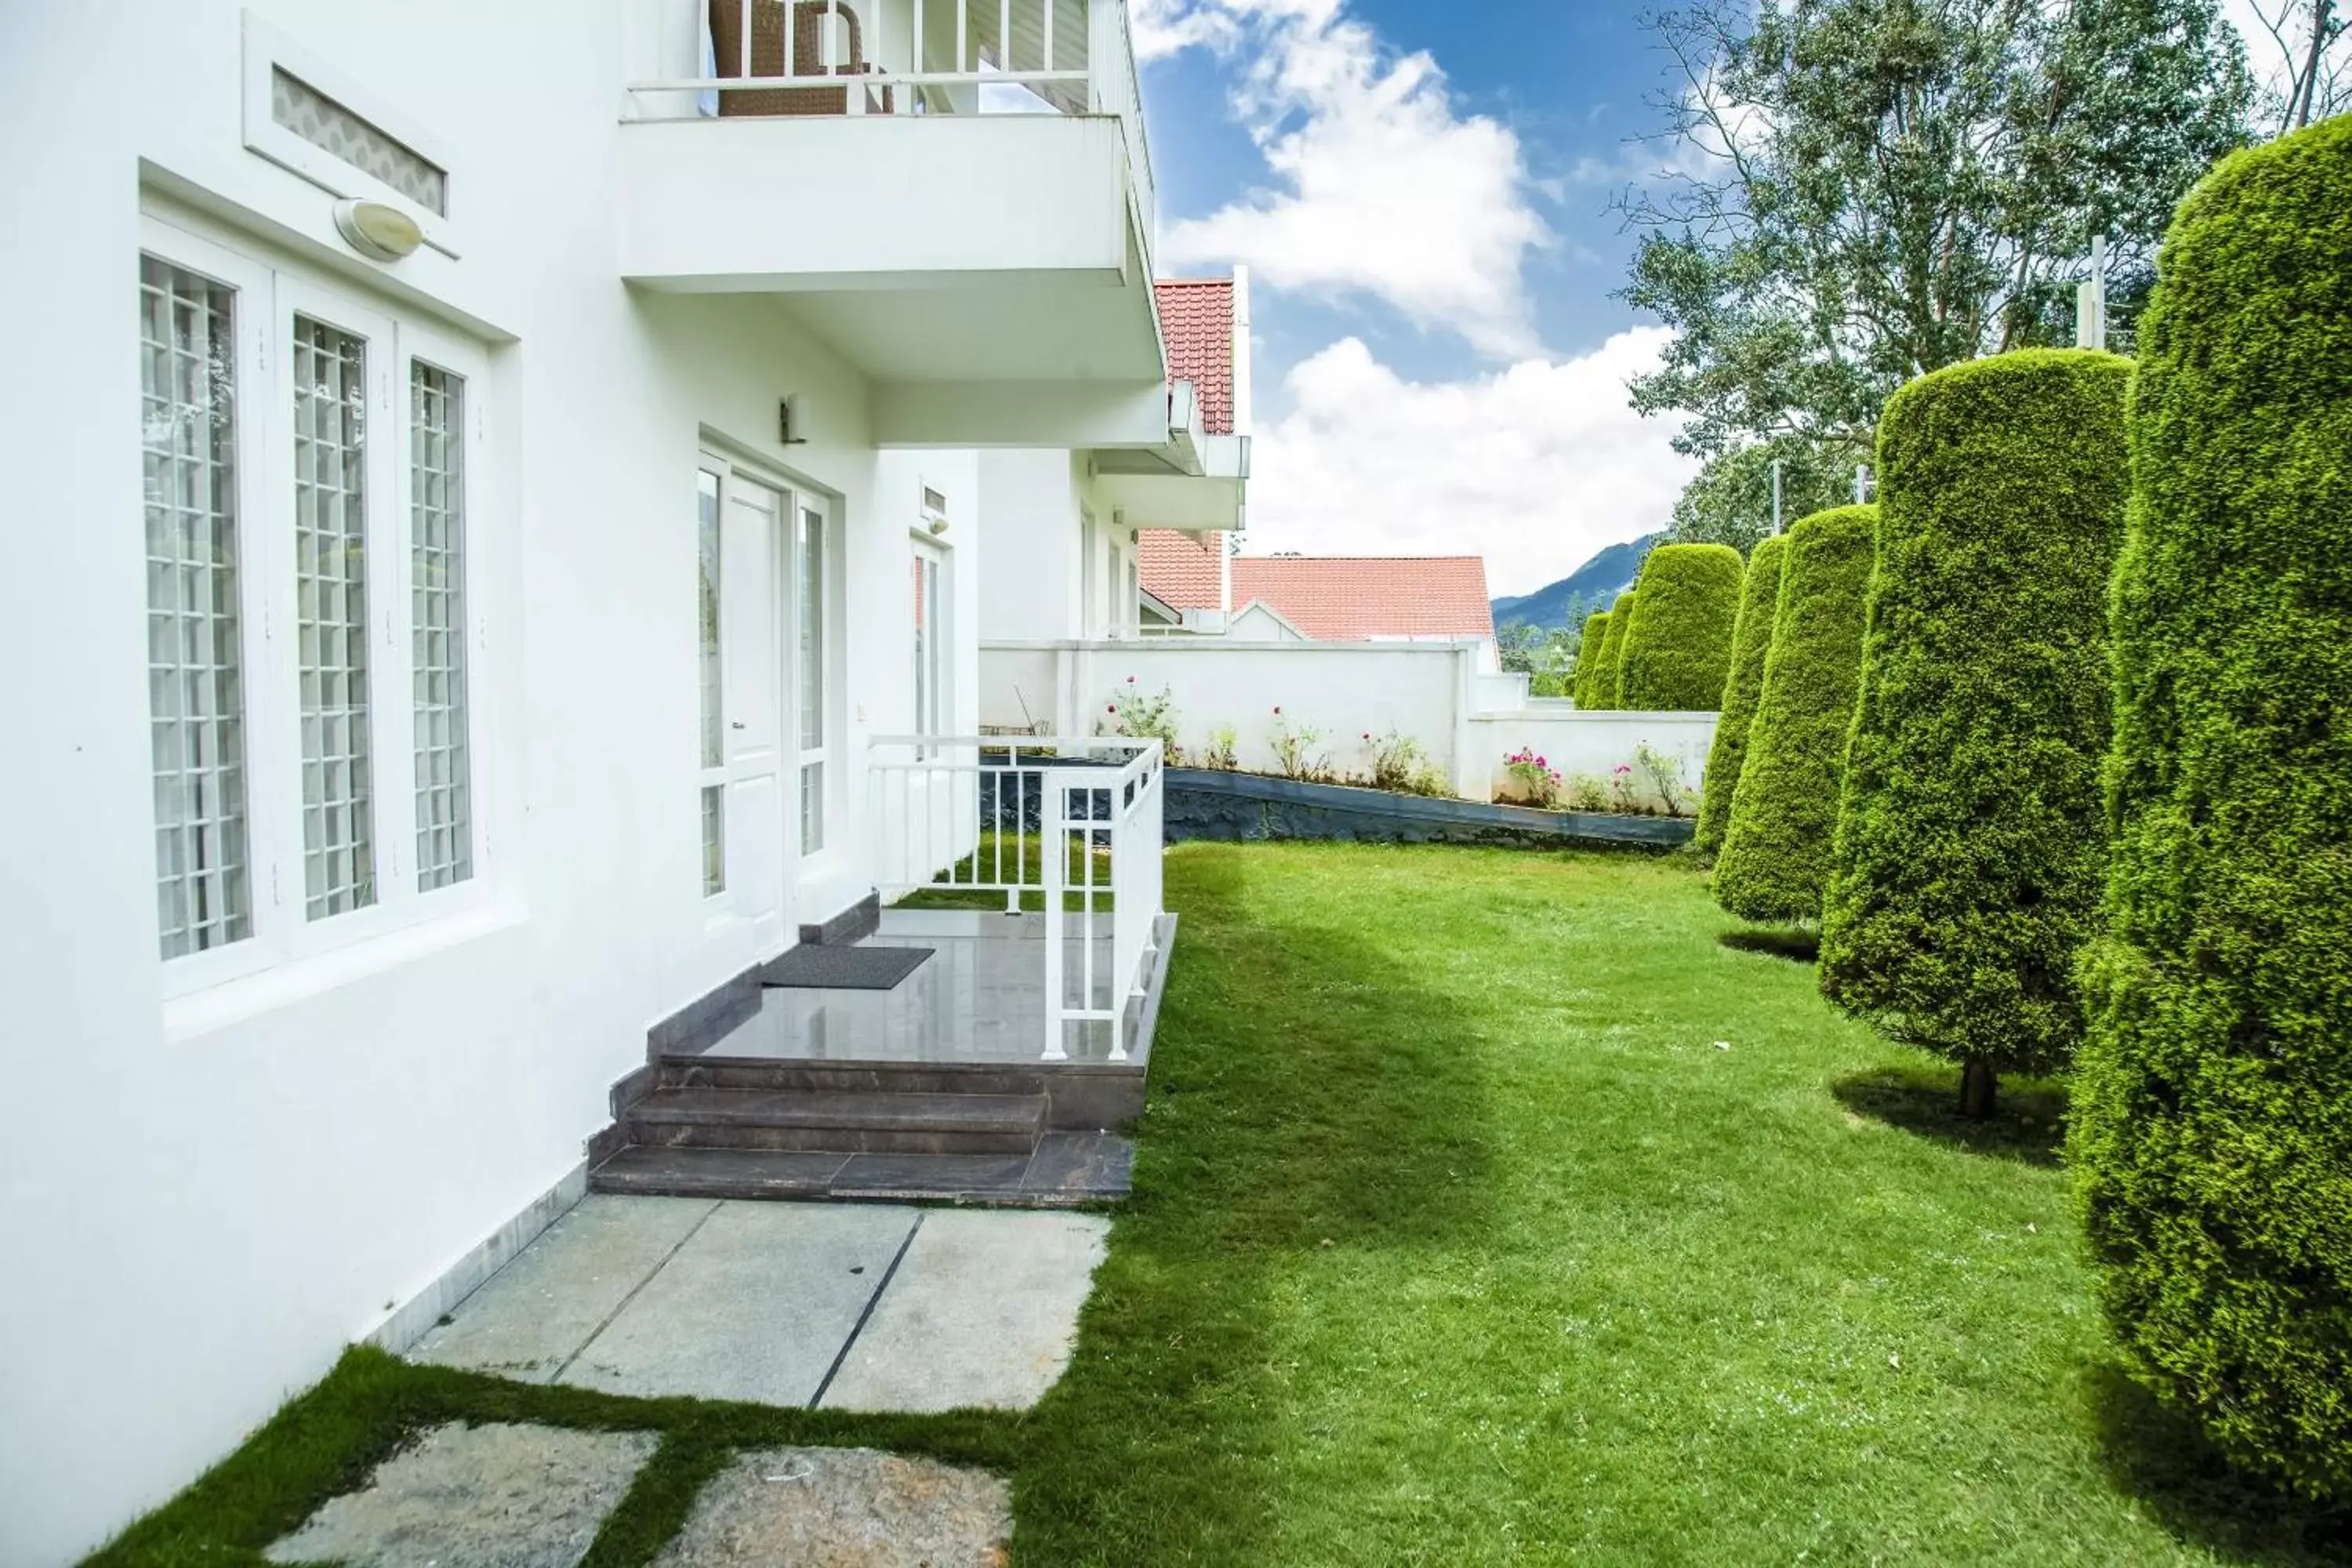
(1367, 734)
(1624, 767)
(1277, 712)
(1112, 708)
(1130, 680)
(1541, 764)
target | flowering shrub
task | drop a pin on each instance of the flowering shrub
(1584, 792)
(1533, 778)
(1665, 777)
(1624, 794)
(1400, 764)
(1294, 752)
(1224, 752)
(1130, 713)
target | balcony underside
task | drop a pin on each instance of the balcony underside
(944, 258)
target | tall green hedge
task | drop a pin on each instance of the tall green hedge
(1588, 658)
(1971, 842)
(1611, 667)
(1776, 854)
(1677, 651)
(1759, 594)
(2211, 1130)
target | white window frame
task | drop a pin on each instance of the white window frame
(829, 751)
(924, 546)
(718, 902)
(269, 294)
(267, 51)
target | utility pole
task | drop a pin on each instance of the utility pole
(1776, 495)
(1861, 484)
(2091, 300)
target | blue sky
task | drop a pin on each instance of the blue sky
(1420, 191)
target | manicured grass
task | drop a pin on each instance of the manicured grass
(1456, 1240)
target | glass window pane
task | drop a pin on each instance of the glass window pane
(329, 369)
(811, 808)
(187, 384)
(707, 571)
(714, 841)
(437, 522)
(811, 628)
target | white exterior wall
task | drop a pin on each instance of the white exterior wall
(1062, 577)
(1434, 693)
(203, 1202)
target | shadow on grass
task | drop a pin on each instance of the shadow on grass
(2158, 1456)
(1313, 1103)
(1798, 946)
(2028, 1122)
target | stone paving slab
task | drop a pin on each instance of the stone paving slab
(982, 1311)
(530, 1319)
(500, 1496)
(756, 1307)
(843, 1507)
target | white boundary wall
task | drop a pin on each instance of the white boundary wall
(1467, 721)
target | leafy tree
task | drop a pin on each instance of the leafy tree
(1776, 852)
(2308, 44)
(1873, 189)
(1751, 639)
(1971, 848)
(1677, 652)
(1730, 500)
(1610, 673)
(1544, 655)
(1588, 657)
(2212, 1130)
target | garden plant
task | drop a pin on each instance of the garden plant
(1760, 593)
(1677, 651)
(1971, 844)
(1613, 653)
(2212, 1117)
(1776, 854)
(1588, 658)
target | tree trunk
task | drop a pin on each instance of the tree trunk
(1978, 1083)
(2309, 86)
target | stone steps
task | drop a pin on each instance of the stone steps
(826, 1120)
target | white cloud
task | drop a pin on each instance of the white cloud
(1380, 188)
(1534, 466)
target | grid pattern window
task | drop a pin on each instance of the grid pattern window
(194, 653)
(336, 130)
(437, 533)
(931, 645)
(329, 374)
(810, 573)
(714, 840)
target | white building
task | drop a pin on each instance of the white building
(478, 490)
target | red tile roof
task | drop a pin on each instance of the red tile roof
(1349, 598)
(1179, 570)
(1196, 317)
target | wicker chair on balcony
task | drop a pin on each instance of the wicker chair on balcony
(767, 18)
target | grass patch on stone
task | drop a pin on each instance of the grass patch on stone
(1457, 1237)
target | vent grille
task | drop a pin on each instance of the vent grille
(336, 130)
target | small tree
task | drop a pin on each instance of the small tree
(1971, 844)
(1588, 658)
(1759, 594)
(1776, 855)
(1612, 669)
(1677, 652)
(2211, 1130)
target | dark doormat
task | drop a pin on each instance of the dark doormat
(810, 967)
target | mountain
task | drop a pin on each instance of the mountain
(1583, 591)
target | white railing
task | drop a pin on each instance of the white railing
(821, 58)
(1073, 827)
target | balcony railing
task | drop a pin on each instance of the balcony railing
(1071, 829)
(894, 59)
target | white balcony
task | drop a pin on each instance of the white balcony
(954, 195)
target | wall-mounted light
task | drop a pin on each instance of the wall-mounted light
(377, 231)
(785, 435)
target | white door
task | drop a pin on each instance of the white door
(747, 782)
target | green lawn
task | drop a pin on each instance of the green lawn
(1457, 1239)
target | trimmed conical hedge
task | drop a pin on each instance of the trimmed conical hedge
(1971, 842)
(1613, 652)
(1776, 854)
(2211, 1128)
(1678, 648)
(1759, 594)
(1588, 658)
